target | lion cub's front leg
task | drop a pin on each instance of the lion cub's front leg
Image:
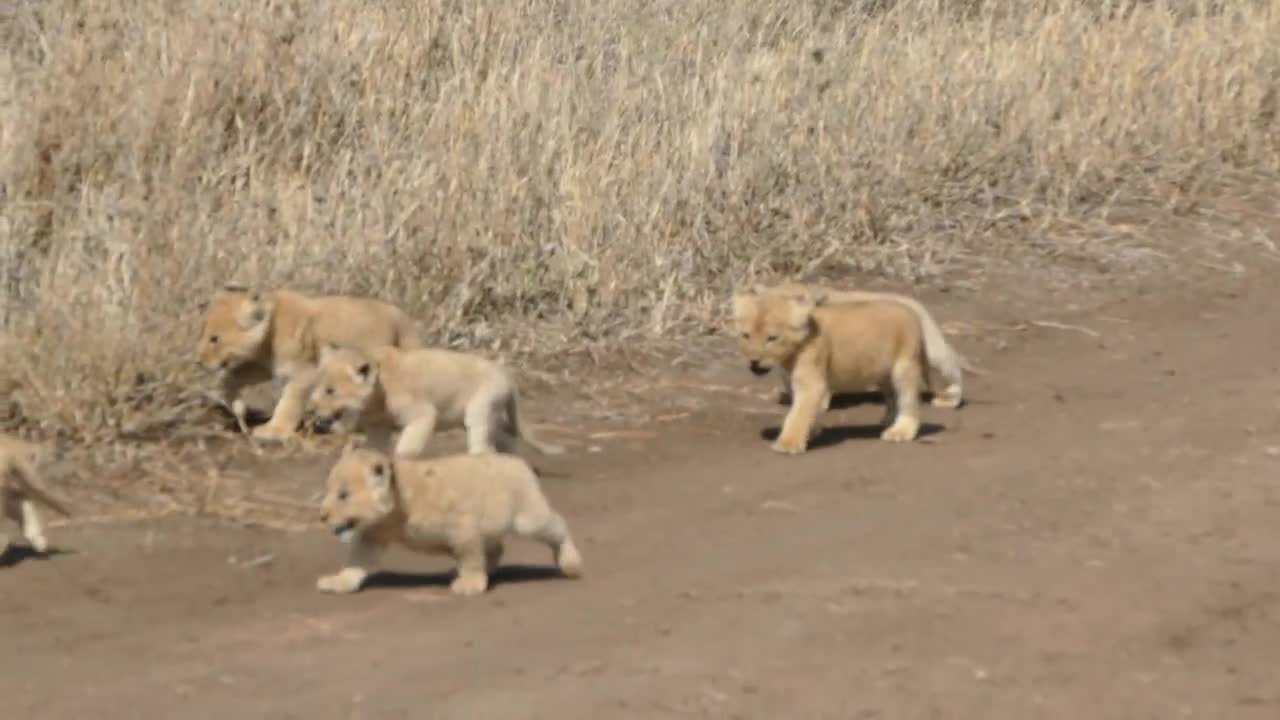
(32, 527)
(288, 412)
(361, 562)
(802, 419)
(417, 433)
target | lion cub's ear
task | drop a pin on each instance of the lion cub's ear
(258, 311)
(745, 303)
(800, 313)
(365, 372)
(381, 477)
(326, 351)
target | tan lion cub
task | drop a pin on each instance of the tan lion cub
(825, 349)
(943, 358)
(463, 505)
(20, 490)
(250, 337)
(420, 391)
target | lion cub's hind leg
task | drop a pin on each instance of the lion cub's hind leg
(902, 402)
(549, 528)
(481, 418)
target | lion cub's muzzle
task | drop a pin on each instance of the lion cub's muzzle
(329, 423)
(758, 369)
(345, 531)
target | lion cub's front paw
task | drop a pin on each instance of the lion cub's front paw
(789, 446)
(38, 543)
(340, 583)
(901, 431)
(469, 584)
(271, 432)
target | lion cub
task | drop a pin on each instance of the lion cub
(945, 359)
(463, 505)
(421, 391)
(20, 490)
(250, 337)
(826, 349)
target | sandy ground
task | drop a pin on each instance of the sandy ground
(1093, 536)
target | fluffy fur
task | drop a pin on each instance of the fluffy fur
(826, 349)
(251, 337)
(942, 357)
(21, 490)
(462, 505)
(418, 392)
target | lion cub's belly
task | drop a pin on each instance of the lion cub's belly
(854, 366)
(430, 539)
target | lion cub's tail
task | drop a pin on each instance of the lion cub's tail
(520, 430)
(31, 487)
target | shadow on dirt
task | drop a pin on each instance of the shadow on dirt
(835, 434)
(504, 574)
(15, 554)
(844, 401)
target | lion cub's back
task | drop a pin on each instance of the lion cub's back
(490, 487)
(867, 337)
(360, 322)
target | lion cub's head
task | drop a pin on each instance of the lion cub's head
(359, 492)
(346, 382)
(236, 327)
(773, 323)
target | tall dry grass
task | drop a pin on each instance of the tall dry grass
(585, 168)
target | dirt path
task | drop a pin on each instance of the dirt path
(1093, 536)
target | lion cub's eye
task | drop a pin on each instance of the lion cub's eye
(342, 495)
(328, 391)
(213, 339)
(771, 338)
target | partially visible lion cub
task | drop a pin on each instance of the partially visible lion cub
(826, 349)
(421, 391)
(20, 490)
(251, 337)
(942, 357)
(463, 505)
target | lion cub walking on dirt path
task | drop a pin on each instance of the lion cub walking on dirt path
(826, 349)
(20, 490)
(463, 505)
(250, 337)
(943, 358)
(420, 391)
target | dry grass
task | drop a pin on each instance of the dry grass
(541, 174)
